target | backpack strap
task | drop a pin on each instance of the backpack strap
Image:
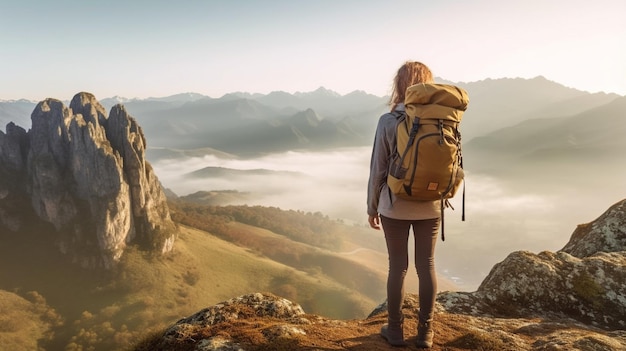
(463, 209)
(399, 115)
(443, 208)
(412, 134)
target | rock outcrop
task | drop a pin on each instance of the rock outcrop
(242, 307)
(586, 280)
(267, 322)
(605, 234)
(574, 299)
(85, 174)
(13, 149)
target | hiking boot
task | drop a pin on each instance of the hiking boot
(393, 333)
(425, 335)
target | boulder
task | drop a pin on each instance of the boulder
(586, 280)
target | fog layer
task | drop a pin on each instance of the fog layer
(502, 215)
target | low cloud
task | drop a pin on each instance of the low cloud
(499, 219)
(333, 183)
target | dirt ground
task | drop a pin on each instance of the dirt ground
(453, 332)
(239, 327)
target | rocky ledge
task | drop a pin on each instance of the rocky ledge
(574, 299)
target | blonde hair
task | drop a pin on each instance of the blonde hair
(410, 73)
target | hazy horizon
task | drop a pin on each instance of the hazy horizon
(67, 99)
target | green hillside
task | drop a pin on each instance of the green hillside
(76, 309)
(24, 320)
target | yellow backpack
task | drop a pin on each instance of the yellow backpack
(427, 163)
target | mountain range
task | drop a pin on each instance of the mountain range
(248, 125)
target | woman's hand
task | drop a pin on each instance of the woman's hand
(374, 222)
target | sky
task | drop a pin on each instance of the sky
(140, 49)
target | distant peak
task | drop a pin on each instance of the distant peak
(19, 100)
(179, 97)
(236, 95)
(359, 93)
(279, 92)
(120, 99)
(321, 91)
(308, 115)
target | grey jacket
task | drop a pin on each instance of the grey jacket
(380, 200)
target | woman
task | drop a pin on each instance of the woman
(397, 216)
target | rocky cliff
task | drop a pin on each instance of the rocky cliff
(585, 281)
(574, 299)
(83, 173)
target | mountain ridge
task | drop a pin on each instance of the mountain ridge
(195, 121)
(589, 137)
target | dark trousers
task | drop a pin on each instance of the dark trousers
(425, 233)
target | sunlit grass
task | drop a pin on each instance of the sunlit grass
(147, 292)
(23, 322)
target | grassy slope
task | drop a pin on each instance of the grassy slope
(22, 321)
(225, 270)
(112, 310)
(150, 293)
